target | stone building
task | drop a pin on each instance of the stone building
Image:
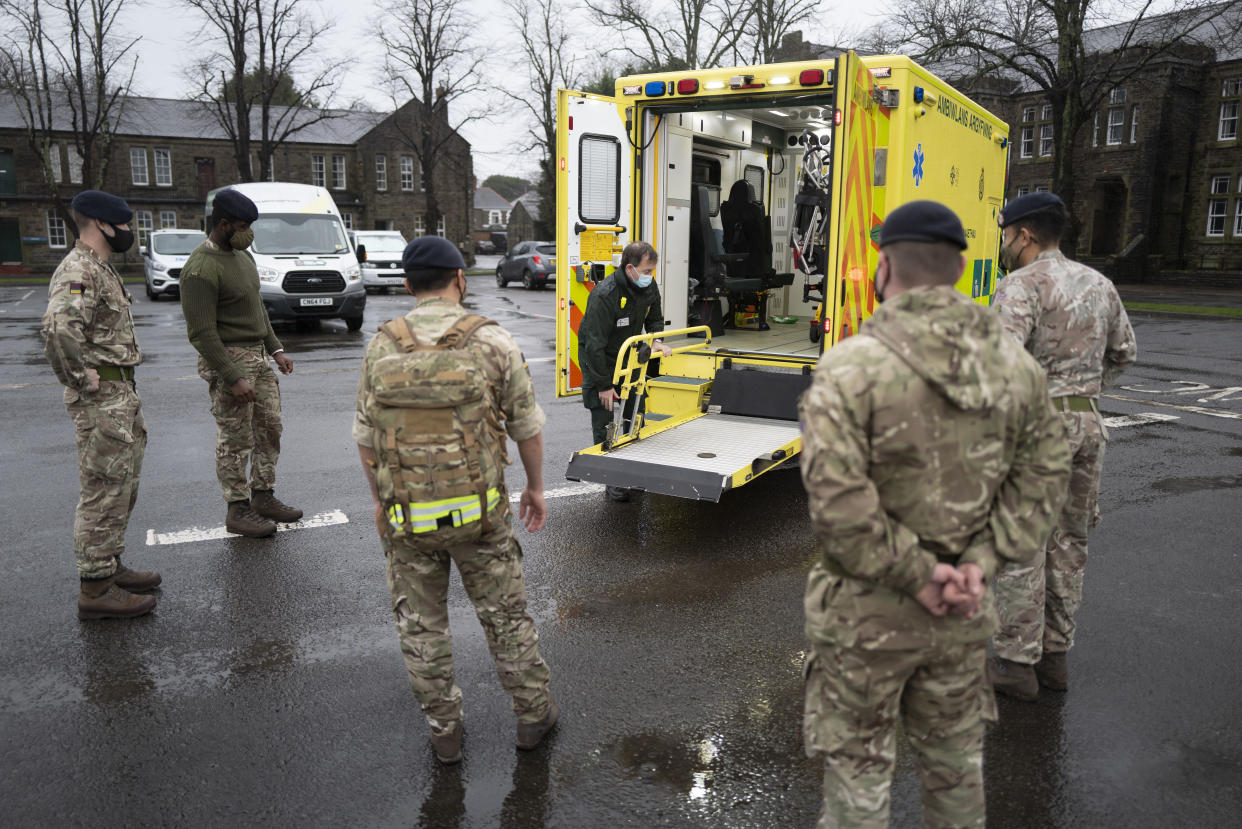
(525, 224)
(167, 154)
(491, 214)
(1158, 167)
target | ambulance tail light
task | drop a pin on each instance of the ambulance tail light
(836, 118)
(687, 86)
(811, 77)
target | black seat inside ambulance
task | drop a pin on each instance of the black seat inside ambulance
(746, 230)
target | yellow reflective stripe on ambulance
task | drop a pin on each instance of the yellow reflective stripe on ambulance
(424, 516)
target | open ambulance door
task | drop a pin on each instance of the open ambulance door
(849, 295)
(594, 166)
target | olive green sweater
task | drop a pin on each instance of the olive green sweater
(222, 306)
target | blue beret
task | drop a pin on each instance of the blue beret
(234, 204)
(431, 252)
(1023, 206)
(923, 221)
(103, 206)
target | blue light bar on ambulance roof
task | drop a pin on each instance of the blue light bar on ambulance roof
(654, 88)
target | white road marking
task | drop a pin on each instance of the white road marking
(1203, 410)
(1138, 419)
(323, 519)
(26, 296)
(564, 492)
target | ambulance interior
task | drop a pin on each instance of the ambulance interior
(728, 184)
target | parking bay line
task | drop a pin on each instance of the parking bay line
(1203, 410)
(1138, 419)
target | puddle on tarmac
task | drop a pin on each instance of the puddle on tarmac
(1181, 486)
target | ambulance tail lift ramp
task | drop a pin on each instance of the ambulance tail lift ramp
(652, 163)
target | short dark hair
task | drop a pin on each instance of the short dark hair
(925, 263)
(1047, 225)
(80, 220)
(424, 280)
(636, 252)
(218, 215)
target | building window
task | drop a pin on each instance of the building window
(1118, 95)
(420, 225)
(317, 171)
(348, 219)
(440, 227)
(168, 218)
(1045, 140)
(163, 168)
(1095, 131)
(1116, 123)
(1237, 218)
(57, 237)
(142, 222)
(1023, 191)
(1228, 121)
(138, 166)
(381, 172)
(1041, 188)
(1218, 208)
(338, 172)
(1028, 114)
(493, 217)
(407, 174)
(1134, 114)
(1232, 88)
(53, 161)
(1027, 147)
(75, 166)
(1046, 113)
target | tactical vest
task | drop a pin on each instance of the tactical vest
(439, 443)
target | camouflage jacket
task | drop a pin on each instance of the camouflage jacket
(927, 437)
(507, 373)
(1072, 321)
(88, 321)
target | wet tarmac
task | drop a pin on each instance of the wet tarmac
(268, 689)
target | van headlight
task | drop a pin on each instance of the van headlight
(352, 273)
(159, 266)
(268, 274)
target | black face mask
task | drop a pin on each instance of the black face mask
(121, 241)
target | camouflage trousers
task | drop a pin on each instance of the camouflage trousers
(246, 433)
(491, 573)
(111, 437)
(854, 699)
(1036, 601)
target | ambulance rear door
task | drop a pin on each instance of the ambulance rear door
(594, 167)
(849, 295)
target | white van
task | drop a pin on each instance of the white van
(379, 252)
(307, 268)
(162, 257)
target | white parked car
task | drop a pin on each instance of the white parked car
(165, 253)
(379, 253)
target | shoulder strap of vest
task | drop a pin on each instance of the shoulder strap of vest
(399, 330)
(462, 330)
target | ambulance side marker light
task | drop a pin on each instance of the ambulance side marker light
(687, 86)
(571, 123)
(811, 77)
(655, 88)
(836, 117)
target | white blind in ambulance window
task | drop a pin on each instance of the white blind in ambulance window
(754, 177)
(599, 195)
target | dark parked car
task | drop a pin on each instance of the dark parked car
(532, 262)
(485, 246)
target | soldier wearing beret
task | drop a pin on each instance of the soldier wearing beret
(436, 387)
(89, 339)
(228, 325)
(1070, 318)
(930, 453)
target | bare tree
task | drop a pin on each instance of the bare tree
(764, 23)
(1056, 47)
(682, 34)
(545, 38)
(67, 70)
(256, 83)
(432, 57)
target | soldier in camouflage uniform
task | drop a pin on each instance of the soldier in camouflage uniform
(89, 339)
(490, 566)
(930, 452)
(1070, 318)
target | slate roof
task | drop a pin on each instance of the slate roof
(530, 201)
(485, 198)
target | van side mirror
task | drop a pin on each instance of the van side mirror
(362, 253)
(143, 250)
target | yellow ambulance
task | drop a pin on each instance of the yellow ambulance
(763, 189)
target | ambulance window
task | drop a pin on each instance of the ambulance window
(706, 171)
(754, 177)
(599, 183)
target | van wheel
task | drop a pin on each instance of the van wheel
(152, 295)
(528, 280)
(501, 282)
(353, 323)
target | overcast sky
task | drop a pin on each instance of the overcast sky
(168, 31)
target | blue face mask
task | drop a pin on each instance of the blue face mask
(644, 279)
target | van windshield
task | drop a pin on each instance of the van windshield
(382, 244)
(284, 233)
(175, 244)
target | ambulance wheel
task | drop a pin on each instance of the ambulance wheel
(501, 282)
(353, 323)
(814, 332)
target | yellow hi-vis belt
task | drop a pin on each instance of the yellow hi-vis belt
(429, 516)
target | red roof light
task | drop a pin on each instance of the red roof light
(687, 86)
(811, 77)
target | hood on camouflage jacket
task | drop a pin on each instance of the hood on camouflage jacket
(948, 340)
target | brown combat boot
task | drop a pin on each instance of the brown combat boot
(1053, 671)
(245, 521)
(135, 581)
(448, 746)
(1013, 679)
(102, 599)
(531, 734)
(266, 504)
